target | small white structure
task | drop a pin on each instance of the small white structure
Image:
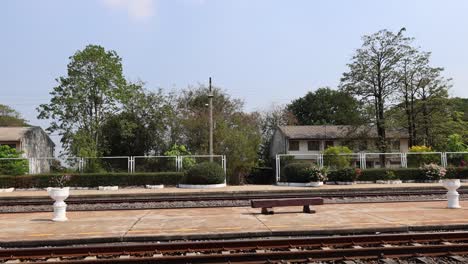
(60, 207)
(452, 195)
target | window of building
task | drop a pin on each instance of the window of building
(329, 143)
(294, 145)
(313, 145)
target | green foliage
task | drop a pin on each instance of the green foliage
(419, 158)
(205, 173)
(181, 150)
(269, 121)
(140, 128)
(326, 107)
(456, 173)
(94, 179)
(455, 144)
(433, 172)
(9, 117)
(373, 75)
(344, 175)
(304, 172)
(91, 92)
(236, 134)
(297, 172)
(261, 175)
(336, 158)
(404, 174)
(9, 162)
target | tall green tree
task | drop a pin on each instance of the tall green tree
(373, 75)
(141, 126)
(84, 99)
(9, 117)
(269, 120)
(423, 90)
(236, 134)
(326, 107)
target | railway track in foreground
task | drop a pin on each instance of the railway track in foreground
(385, 248)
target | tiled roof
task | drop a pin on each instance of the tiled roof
(13, 133)
(323, 132)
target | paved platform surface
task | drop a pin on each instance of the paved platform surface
(228, 189)
(166, 224)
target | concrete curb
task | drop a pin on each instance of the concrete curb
(244, 235)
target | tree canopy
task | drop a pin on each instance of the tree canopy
(85, 99)
(9, 117)
(326, 107)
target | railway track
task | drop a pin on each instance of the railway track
(18, 201)
(386, 248)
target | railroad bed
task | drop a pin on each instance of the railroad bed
(434, 247)
(125, 201)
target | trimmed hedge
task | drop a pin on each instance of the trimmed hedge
(204, 173)
(94, 179)
(297, 172)
(344, 175)
(261, 175)
(400, 173)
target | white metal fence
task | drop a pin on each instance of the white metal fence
(374, 160)
(129, 164)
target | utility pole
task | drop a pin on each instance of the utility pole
(210, 96)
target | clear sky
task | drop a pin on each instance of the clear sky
(261, 51)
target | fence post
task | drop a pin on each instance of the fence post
(277, 159)
(179, 162)
(404, 160)
(81, 165)
(223, 161)
(31, 169)
(363, 161)
(443, 157)
(320, 160)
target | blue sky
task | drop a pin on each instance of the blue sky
(261, 51)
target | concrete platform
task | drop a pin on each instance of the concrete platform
(244, 189)
(175, 224)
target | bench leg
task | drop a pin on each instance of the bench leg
(266, 211)
(307, 210)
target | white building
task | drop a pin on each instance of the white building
(299, 140)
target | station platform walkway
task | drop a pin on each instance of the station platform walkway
(228, 222)
(242, 189)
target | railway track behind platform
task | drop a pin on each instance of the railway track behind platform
(203, 200)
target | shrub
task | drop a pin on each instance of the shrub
(456, 173)
(419, 158)
(94, 179)
(335, 157)
(304, 172)
(261, 175)
(433, 172)
(297, 172)
(205, 173)
(344, 175)
(317, 175)
(404, 174)
(10, 165)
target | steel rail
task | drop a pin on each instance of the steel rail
(210, 251)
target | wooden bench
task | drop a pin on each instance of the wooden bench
(270, 203)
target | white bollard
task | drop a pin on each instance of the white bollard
(60, 211)
(452, 195)
(60, 207)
